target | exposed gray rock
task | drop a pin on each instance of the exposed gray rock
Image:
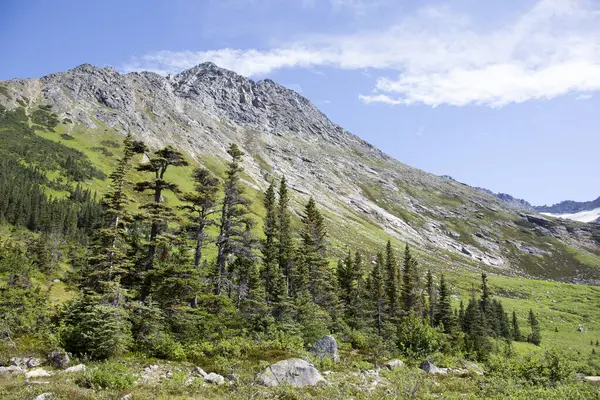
(59, 359)
(294, 372)
(326, 347)
(38, 373)
(76, 368)
(430, 368)
(393, 364)
(215, 379)
(11, 370)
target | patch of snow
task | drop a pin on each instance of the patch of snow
(583, 216)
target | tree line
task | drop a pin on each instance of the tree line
(147, 284)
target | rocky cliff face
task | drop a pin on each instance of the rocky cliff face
(367, 196)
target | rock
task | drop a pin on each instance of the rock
(326, 347)
(127, 397)
(231, 377)
(215, 379)
(430, 368)
(169, 374)
(33, 362)
(38, 373)
(44, 396)
(294, 372)
(199, 372)
(76, 368)
(393, 364)
(371, 372)
(59, 359)
(591, 378)
(11, 370)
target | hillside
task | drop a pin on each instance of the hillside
(366, 195)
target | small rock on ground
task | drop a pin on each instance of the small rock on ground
(393, 364)
(76, 368)
(214, 379)
(38, 373)
(44, 396)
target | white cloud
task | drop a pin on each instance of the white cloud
(583, 96)
(436, 56)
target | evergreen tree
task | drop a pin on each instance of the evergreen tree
(270, 245)
(158, 213)
(378, 292)
(201, 205)
(313, 254)
(410, 283)
(444, 314)
(535, 337)
(108, 258)
(485, 293)
(392, 283)
(431, 296)
(234, 217)
(285, 243)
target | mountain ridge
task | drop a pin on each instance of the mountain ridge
(360, 188)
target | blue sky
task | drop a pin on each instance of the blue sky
(499, 94)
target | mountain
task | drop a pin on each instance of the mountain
(585, 211)
(366, 195)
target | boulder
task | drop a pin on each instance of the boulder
(44, 396)
(326, 347)
(59, 359)
(430, 368)
(393, 364)
(215, 379)
(33, 362)
(76, 368)
(11, 370)
(38, 373)
(293, 372)
(473, 368)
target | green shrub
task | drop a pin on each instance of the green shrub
(550, 367)
(108, 375)
(417, 339)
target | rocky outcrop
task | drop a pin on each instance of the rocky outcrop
(59, 359)
(293, 372)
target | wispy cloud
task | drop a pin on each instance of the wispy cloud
(436, 56)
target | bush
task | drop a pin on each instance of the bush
(550, 367)
(417, 339)
(96, 330)
(107, 375)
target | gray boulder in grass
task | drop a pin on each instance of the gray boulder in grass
(326, 347)
(294, 372)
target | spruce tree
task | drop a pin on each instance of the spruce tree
(313, 253)
(485, 293)
(200, 205)
(444, 314)
(109, 252)
(270, 245)
(285, 242)
(431, 295)
(377, 290)
(535, 337)
(234, 217)
(158, 213)
(392, 282)
(410, 284)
